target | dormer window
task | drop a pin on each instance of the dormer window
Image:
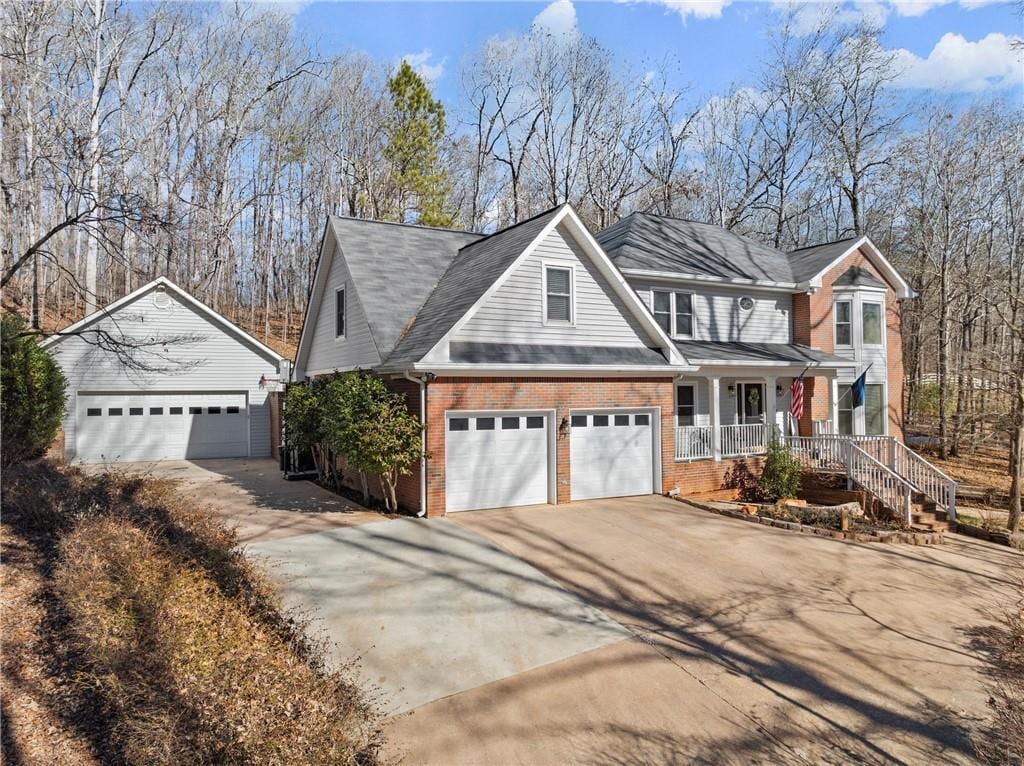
(673, 312)
(558, 294)
(339, 313)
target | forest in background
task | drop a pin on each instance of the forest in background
(207, 143)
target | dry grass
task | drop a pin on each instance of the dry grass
(1001, 741)
(170, 645)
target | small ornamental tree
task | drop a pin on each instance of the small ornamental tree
(32, 389)
(302, 417)
(373, 428)
(782, 472)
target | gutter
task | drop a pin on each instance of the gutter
(423, 440)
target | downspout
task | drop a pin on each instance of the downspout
(423, 441)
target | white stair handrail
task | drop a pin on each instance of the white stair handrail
(926, 478)
(880, 481)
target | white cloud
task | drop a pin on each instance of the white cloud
(961, 66)
(699, 9)
(559, 18)
(421, 63)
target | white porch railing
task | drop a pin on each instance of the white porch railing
(693, 442)
(745, 439)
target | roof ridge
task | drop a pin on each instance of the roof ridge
(486, 237)
(822, 244)
(407, 225)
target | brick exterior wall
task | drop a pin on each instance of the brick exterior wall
(812, 326)
(563, 395)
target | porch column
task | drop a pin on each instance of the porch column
(833, 403)
(770, 407)
(714, 390)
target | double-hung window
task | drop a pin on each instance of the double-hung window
(871, 321)
(339, 313)
(685, 406)
(844, 323)
(558, 294)
(673, 312)
(874, 408)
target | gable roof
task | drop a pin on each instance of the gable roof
(162, 282)
(467, 278)
(810, 264)
(654, 243)
(855, 276)
(394, 268)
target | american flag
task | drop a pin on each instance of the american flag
(796, 406)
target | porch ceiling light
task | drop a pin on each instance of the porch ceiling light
(778, 390)
(731, 389)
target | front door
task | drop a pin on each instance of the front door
(750, 403)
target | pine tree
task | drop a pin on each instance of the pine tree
(415, 131)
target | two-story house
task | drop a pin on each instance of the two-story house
(549, 364)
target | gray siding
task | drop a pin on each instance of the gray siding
(514, 313)
(718, 316)
(357, 348)
(215, 360)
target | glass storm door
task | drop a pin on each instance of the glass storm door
(750, 402)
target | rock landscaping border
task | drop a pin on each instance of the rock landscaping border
(878, 536)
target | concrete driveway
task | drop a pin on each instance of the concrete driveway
(429, 607)
(749, 644)
(251, 495)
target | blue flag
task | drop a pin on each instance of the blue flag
(857, 390)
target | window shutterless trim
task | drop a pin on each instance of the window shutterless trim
(848, 322)
(340, 312)
(545, 267)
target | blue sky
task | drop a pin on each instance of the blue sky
(955, 48)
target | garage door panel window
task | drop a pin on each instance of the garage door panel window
(135, 410)
(94, 411)
(535, 422)
(642, 420)
(114, 411)
(508, 424)
(156, 410)
(232, 410)
(600, 420)
(177, 410)
(195, 410)
(213, 410)
(579, 421)
(622, 420)
(458, 424)
(485, 424)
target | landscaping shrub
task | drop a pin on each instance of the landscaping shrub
(176, 643)
(780, 477)
(31, 394)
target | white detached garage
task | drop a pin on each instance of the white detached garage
(158, 375)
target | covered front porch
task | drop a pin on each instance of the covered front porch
(741, 398)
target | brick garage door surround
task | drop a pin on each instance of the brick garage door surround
(563, 395)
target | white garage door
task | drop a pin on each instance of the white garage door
(495, 460)
(161, 426)
(611, 454)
